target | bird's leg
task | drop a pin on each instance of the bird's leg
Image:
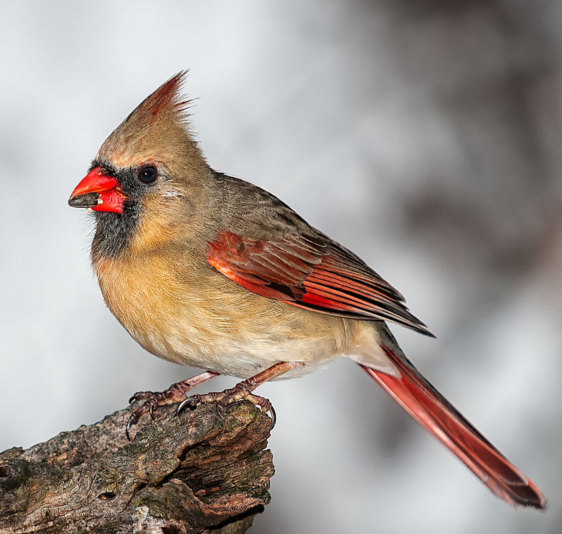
(243, 390)
(175, 393)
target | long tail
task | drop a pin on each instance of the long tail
(427, 406)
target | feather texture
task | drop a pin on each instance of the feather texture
(311, 272)
(437, 415)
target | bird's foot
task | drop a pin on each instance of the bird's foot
(244, 390)
(151, 400)
(229, 396)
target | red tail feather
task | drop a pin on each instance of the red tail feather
(438, 416)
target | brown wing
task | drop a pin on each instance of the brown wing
(310, 272)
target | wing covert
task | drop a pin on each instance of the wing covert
(311, 272)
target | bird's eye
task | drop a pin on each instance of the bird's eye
(147, 175)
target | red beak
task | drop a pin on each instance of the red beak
(98, 191)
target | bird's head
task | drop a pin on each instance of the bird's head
(145, 167)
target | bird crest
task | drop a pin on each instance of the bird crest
(157, 129)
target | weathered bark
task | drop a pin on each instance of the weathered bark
(191, 473)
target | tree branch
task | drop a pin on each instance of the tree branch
(180, 475)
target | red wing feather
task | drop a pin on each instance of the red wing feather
(310, 272)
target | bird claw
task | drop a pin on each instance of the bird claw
(176, 393)
(265, 406)
(151, 401)
(224, 398)
(220, 411)
(141, 396)
(130, 423)
(191, 402)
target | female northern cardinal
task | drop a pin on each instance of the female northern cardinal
(207, 270)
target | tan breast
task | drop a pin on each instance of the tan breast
(193, 315)
(150, 301)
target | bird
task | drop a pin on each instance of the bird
(210, 271)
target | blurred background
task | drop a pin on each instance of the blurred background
(422, 134)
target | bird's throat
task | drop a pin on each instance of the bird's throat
(114, 232)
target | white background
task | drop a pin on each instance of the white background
(423, 135)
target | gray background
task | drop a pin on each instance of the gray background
(424, 135)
